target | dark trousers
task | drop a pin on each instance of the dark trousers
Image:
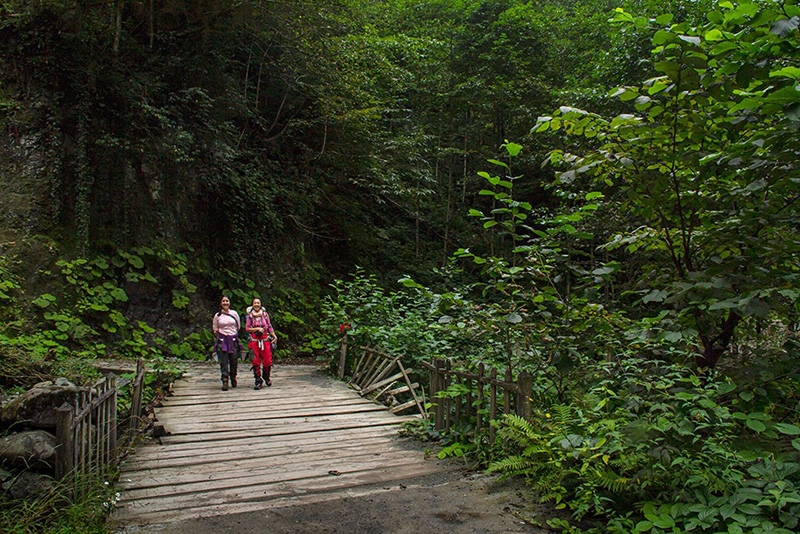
(228, 364)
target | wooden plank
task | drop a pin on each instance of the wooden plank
(275, 442)
(404, 406)
(265, 453)
(403, 389)
(204, 477)
(324, 420)
(216, 436)
(406, 372)
(269, 413)
(373, 387)
(265, 486)
(383, 369)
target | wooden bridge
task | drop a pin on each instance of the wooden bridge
(308, 438)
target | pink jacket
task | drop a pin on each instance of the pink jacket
(260, 320)
(226, 324)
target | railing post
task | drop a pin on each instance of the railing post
(65, 450)
(112, 423)
(524, 389)
(343, 357)
(479, 411)
(492, 405)
(439, 365)
(447, 402)
(136, 401)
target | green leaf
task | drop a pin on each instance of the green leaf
(756, 425)
(514, 318)
(409, 282)
(119, 294)
(497, 162)
(723, 305)
(513, 149)
(136, 261)
(44, 300)
(788, 429)
(656, 295)
(786, 72)
(662, 37)
(664, 19)
(664, 521)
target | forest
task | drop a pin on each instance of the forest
(604, 194)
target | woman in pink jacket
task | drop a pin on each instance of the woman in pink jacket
(226, 326)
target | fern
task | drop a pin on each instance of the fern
(610, 480)
(512, 466)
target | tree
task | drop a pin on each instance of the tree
(706, 163)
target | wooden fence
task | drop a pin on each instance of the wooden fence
(87, 431)
(384, 378)
(486, 393)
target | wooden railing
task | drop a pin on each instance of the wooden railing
(134, 424)
(384, 378)
(486, 394)
(86, 431)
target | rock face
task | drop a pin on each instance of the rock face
(36, 407)
(32, 449)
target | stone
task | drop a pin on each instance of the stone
(27, 484)
(36, 407)
(34, 449)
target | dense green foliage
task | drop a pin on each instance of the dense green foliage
(655, 301)
(165, 152)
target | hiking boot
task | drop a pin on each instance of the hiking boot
(259, 383)
(267, 371)
(233, 382)
(224, 384)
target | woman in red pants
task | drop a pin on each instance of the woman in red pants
(261, 334)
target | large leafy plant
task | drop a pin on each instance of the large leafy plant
(651, 448)
(705, 162)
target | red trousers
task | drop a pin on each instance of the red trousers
(262, 354)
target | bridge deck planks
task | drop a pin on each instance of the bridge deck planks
(308, 438)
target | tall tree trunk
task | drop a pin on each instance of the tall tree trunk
(118, 25)
(151, 25)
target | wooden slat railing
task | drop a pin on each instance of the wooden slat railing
(86, 431)
(448, 412)
(487, 393)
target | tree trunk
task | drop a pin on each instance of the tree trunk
(714, 347)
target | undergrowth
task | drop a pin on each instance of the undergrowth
(55, 511)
